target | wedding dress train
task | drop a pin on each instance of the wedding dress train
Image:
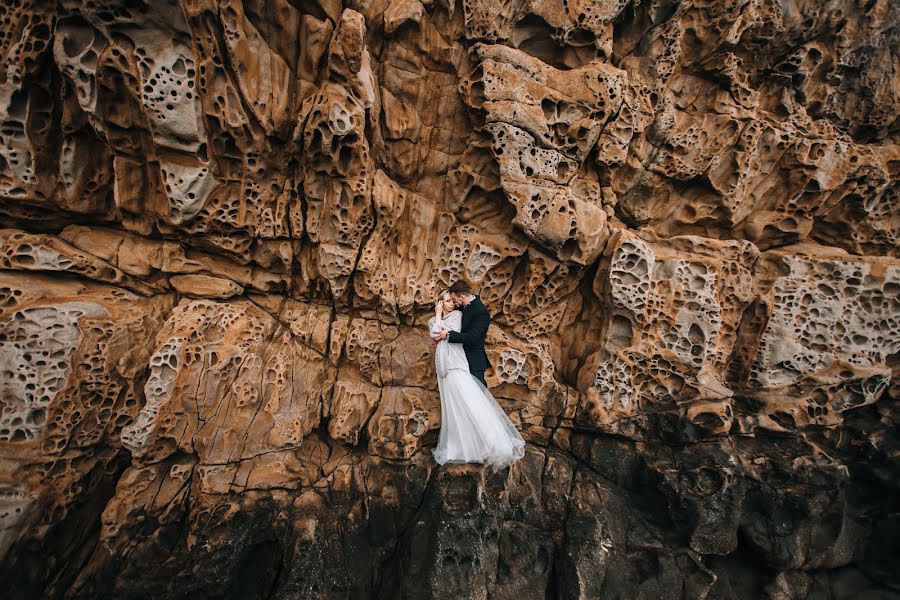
(474, 427)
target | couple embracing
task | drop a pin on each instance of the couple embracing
(474, 428)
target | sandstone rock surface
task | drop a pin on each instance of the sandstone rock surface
(223, 225)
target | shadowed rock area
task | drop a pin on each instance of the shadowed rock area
(224, 223)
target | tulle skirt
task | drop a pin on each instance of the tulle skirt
(474, 428)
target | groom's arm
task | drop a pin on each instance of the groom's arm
(477, 331)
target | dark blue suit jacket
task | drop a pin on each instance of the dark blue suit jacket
(475, 322)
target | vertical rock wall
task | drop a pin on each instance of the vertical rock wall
(224, 225)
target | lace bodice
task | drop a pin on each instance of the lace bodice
(448, 356)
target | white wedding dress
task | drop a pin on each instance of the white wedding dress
(474, 427)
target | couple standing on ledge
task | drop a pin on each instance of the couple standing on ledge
(474, 428)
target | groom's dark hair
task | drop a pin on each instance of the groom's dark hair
(460, 287)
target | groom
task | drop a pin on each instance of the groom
(475, 322)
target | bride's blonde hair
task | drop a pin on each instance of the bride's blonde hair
(443, 295)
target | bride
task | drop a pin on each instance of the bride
(474, 427)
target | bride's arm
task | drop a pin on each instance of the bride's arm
(439, 324)
(436, 324)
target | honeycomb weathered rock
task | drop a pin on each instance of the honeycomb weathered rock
(223, 226)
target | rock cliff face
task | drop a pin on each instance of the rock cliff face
(224, 224)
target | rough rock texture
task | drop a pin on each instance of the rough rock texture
(224, 225)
